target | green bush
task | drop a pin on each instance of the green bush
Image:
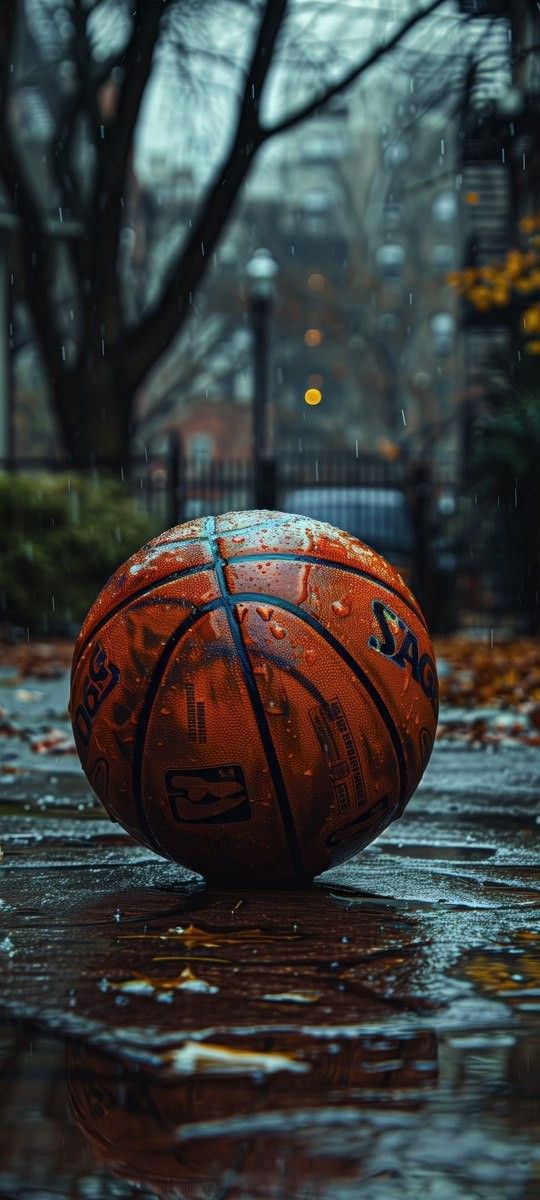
(62, 536)
(504, 470)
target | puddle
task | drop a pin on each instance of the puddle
(509, 972)
(378, 1117)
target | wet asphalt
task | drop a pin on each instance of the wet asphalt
(375, 1036)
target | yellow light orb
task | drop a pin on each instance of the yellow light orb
(313, 337)
(316, 281)
(313, 396)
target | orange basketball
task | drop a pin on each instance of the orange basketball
(255, 696)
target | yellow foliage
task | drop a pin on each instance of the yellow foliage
(481, 297)
(514, 263)
(530, 223)
(492, 285)
(531, 319)
(470, 274)
(526, 284)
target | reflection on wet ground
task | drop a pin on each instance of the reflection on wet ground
(450, 1115)
(374, 1038)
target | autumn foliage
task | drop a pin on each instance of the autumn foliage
(499, 684)
(514, 282)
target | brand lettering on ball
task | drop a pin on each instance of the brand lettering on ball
(405, 654)
(374, 817)
(208, 795)
(102, 676)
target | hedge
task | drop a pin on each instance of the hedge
(61, 537)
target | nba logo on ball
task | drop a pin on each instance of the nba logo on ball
(255, 696)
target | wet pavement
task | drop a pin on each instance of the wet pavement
(374, 1037)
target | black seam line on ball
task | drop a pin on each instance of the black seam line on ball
(146, 712)
(279, 603)
(181, 573)
(229, 604)
(235, 531)
(295, 673)
(185, 572)
(276, 556)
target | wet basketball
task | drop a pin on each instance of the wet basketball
(254, 696)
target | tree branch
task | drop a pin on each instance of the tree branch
(311, 106)
(34, 243)
(61, 151)
(146, 342)
(117, 146)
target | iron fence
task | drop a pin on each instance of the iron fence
(463, 566)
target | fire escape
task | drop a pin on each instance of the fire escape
(500, 161)
(486, 167)
(500, 165)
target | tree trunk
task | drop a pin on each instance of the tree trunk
(93, 406)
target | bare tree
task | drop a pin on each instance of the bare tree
(95, 355)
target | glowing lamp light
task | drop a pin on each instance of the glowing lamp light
(389, 450)
(313, 337)
(472, 198)
(313, 396)
(316, 281)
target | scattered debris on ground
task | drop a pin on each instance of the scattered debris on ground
(36, 659)
(490, 694)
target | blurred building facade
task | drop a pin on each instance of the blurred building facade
(359, 210)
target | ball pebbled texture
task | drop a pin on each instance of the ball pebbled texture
(255, 696)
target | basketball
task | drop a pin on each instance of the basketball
(255, 696)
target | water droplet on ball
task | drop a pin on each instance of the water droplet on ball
(341, 608)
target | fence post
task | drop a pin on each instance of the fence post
(176, 479)
(265, 483)
(420, 492)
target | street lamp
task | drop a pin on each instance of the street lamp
(261, 275)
